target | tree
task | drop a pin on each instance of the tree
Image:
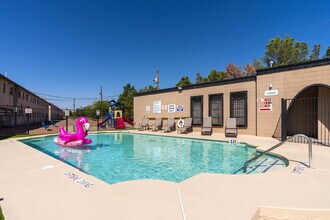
(148, 89)
(233, 71)
(257, 64)
(216, 76)
(249, 70)
(103, 106)
(85, 111)
(285, 51)
(315, 52)
(127, 99)
(199, 78)
(90, 110)
(327, 53)
(184, 81)
(78, 112)
(302, 51)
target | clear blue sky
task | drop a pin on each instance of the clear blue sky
(71, 48)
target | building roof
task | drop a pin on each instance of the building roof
(199, 85)
(18, 85)
(302, 65)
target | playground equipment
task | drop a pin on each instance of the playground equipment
(66, 139)
(115, 116)
(106, 119)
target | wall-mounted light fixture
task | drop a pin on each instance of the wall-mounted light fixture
(270, 86)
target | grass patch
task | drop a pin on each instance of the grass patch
(1, 215)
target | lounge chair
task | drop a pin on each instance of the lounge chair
(157, 125)
(186, 126)
(53, 123)
(43, 124)
(169, 126)
(207, 126)
(231, 128)
(144, 125)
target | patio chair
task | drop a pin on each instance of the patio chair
(207, 126)
(144, 125)
(186, 126)
(157, 125)
(231, 128)
(169, 126)
(43, 124)
(53, 123)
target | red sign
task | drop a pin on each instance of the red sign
(266, 104)
(265, 109)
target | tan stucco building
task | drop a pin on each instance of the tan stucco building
(14, 99)
(255, 101)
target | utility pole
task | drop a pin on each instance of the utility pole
(101, 94)
(74, 105)
(156, 80)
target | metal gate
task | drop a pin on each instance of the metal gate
(309, 116)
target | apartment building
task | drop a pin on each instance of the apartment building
(278, 101)
(15, 101)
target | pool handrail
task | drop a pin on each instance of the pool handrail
(310, 153)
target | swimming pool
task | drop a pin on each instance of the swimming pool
(118, 157)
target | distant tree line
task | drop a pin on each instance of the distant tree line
(90, 110)
(279, 52)
(126, 98)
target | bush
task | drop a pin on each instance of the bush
(1, 215)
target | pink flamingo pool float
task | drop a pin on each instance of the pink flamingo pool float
(66, 139)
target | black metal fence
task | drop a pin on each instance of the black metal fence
(14, 121)
(309, 116)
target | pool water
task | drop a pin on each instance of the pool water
(118, 157)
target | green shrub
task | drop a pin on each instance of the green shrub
(1, 215)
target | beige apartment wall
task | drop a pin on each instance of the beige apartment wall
(183, 98)
(295, 81)
(288, 84)
(323, 114)
(5, 98)
(267, 121)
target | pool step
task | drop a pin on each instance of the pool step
(256, 167)
(262, 166)
(270, 166)
(266, 166)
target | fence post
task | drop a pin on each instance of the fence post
(283, 121)
(66, 123)
(98, 126)
(28, 123)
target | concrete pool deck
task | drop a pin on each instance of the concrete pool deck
(33, 186)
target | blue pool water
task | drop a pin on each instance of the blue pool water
(118, 157)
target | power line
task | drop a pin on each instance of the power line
(309, 26)
(77, 98)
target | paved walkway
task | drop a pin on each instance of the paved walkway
(33, 186)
